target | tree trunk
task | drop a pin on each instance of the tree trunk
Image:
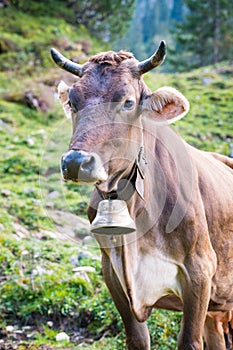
(216, 32)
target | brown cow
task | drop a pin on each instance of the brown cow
(181, 199)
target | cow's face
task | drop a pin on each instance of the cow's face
(106, 106)
(107, 133)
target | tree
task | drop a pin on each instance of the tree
(149, 26)
(177, 11)
(205, 35)
(103, 18)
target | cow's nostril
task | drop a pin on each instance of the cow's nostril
(81, 166)
(88, 164)
(77, 165)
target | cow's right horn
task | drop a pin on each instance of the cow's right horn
(155, 60)
(66, 64)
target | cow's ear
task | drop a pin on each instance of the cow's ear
(63, 95)
(63, 92)
(166, 105)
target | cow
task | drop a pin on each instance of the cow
(181, 255)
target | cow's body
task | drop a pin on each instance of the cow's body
(181, 255)
(164, 255)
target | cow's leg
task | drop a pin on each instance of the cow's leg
(229, 337)
(137, 334)
(214, 340)
(196, 295)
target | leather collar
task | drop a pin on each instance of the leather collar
(133, 182)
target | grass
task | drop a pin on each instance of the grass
(38, 285)
(208, 125)
(30, 168)
(37, 278)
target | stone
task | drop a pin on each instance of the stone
(62, 337)
(84, 269)
(207, 81)
(20, 230)
(89, 242)
(10, 329)
(5, 193)
(53, 194)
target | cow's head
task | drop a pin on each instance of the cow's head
(106, 105)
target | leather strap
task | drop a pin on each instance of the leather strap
(127, 186)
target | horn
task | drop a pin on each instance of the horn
(112, 218)
(155, 60)
(66, 64)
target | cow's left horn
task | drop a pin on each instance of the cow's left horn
(155, 60)
(66, 64)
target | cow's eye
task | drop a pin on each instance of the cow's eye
(129, 104)
(71, 106)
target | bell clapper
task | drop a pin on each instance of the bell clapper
(113, 239)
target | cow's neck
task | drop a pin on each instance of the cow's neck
(169, 178)
(129, 181)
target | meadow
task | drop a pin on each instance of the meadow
(50, 270)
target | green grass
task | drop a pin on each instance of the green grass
(209, 124)
(38, 285)
(32, 142)
(26, 36)
(29, 148)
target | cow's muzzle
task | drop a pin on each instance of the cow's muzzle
(82, 167)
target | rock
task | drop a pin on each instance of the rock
(30, 141)
(3, 4)
(81, 272)
(29, 190)
(5, 193)
(80, 233)
(20, 231)
(10, 329)
(40, 100)
(68, 224)
(25, 253)
(84, 255)
(31, 100)
(83, 275)
(53, 194)
(40, 271)
(41, 132)
(74, 260)
(90, 242)
(49, 205)
(84, 268)
(207, 81)
(62, 337)
(44, 234)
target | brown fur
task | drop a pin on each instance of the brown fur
(111, 57)
(195, 249)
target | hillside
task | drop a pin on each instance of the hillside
(50, 270)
